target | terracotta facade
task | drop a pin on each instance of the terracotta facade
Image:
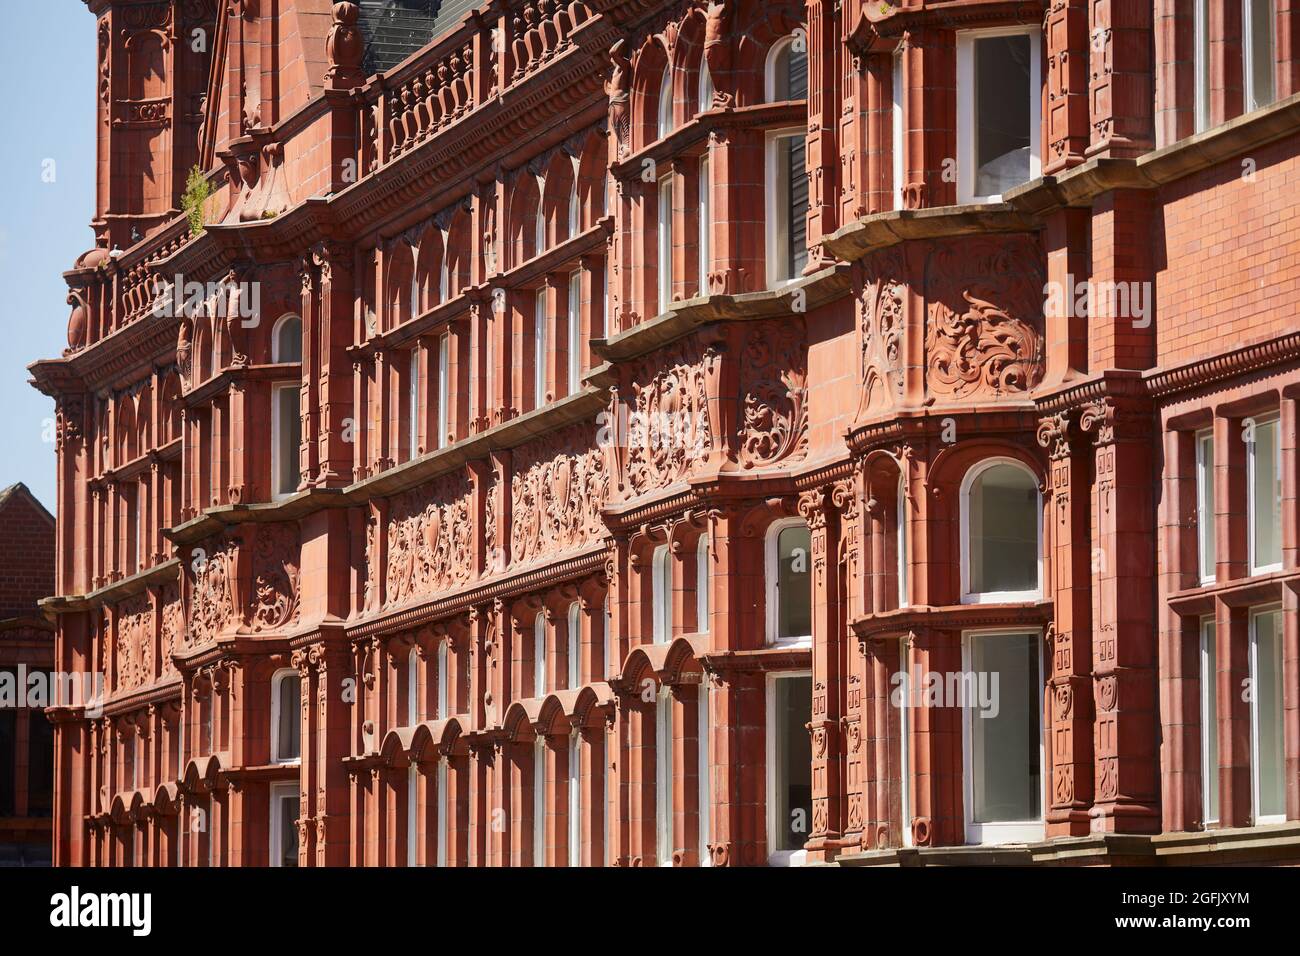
(553, 449)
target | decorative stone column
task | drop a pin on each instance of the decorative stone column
(1068, 687)
(1124, 646)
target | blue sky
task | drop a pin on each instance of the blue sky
(47, 67)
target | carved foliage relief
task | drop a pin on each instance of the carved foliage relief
(669, 428)
(774, 393)
(275, 578)
(135, 622)
(880, 306)
(430, 539)
(559, 486)
(984, 320)
(212, 601)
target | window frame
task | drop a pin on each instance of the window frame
(664, 107)
(661, 595)
(996, 597)
(703, 581)
(772, 206)
(905, 744)
(573, 646)
(444, 387)
(277, 462)
(441, 828)
(1014, 831)
(966, 40)
(1250, 96)
(1208, 654)
(413, 814)
(1261, 421)
(769, 66)
(574, 330)
(278, 792)
(1258, 819)
(539, 655)
(1201, 65)
(539, 800)
(1206, 543)
(776, 857)
(541, 319)
(575, 799)
(412, 687)
(664, 239)
(772, 584)
(664, 776)
(704, 772)
(704, 213)
(897, 126)
(276, 680)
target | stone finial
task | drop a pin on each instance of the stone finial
(345, 48)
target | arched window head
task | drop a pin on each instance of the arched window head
(787, 69)
(789, 582)
(666, 103)
(1001, 534)
(286, 340)
(286, 690)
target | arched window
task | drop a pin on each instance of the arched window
(539, 220)
(789, 583)
(286, 340)
(412, 688)
(1001, 533)
(286, 701)
(539, 654)
(787, 69)
(575, 209)
(443, 677)
(574, 637)
(661, 586)
(666, 103)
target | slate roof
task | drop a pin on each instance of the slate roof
(394, 29)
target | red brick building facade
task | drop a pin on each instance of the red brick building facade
(26, 650)
(628, 433)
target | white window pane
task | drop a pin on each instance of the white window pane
(287, 827)
(289, 436)
(1003, 532)
(412, 814)
(896, 117)
(794, 583)
(702, 562)
(413, 411)
(540, 348)
(444, 824)
(1005, 748)
(1202, 61)
(706, 225)
(661, 595)
(792, 750)
(289, 688)
(666, 104)
(705, 774)
(664, 779)
(539, 656)
(539, 802)
(1267, 665)
(444, 387)
(1258, 31)
(1205, 506)
(575, 332)
(665, 249)
(1266, 496)
(412, 689)
(1002, 113)
(1209, 723)
(443, 678)
(574, 645)
(575, 802)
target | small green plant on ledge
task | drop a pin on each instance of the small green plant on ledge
(197, 191)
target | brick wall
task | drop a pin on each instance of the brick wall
(27, 554)
(1231, 265)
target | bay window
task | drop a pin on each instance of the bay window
(998, 107)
